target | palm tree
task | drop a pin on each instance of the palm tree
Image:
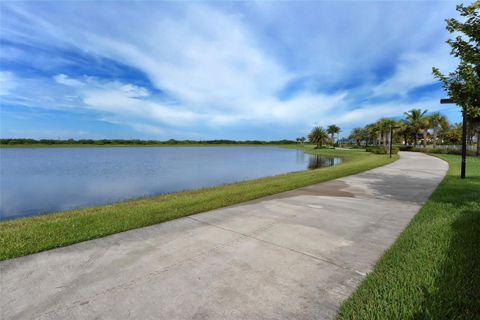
(318, 135)
(371, 131)
(302, 140)
(357, 134)
(384, 125)
(437, 120)
(405, 131)
(454, 134)
(414, 118)
(382, 138)
(333, 130)
(426, 124)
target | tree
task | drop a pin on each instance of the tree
(318, 135)
(454, 134)
(300, 140)
(357, 134)
(414, 118)
(426, 123)
(463, 84)
(405, 131)
(436, 121)
(474, 126)
(371, 132)
(444, 128)
(384, 125)
(333, 130)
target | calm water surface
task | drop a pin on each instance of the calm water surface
(36, 181)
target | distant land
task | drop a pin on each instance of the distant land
(132, 142)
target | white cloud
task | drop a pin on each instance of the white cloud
(7, 83)
(217, 68)
(65, 80)
(415, 70)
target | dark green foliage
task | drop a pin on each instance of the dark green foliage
(382, 150)
(318, 136)
(463, 84)
(120, 142)
(437, 150)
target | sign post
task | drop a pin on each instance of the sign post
(391, 138)
(464, 136)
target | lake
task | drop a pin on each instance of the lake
(42, 180)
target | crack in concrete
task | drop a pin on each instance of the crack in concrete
(280, 246)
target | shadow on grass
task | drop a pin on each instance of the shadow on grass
(457, 193)
(456, 292)
(433, 270)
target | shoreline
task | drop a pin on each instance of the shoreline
(26, 146)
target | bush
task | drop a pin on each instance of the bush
(382, 150)
(405, 148)
(445, 151)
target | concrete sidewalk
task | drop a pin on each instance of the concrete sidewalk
(295, 255)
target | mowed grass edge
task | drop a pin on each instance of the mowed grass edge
(432, 271)
(34, 234)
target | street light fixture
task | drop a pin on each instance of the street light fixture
(391, 137)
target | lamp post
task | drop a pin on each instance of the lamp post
(464, 136)
(391, 138)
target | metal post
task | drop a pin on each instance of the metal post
(464, 136)
(391, 140)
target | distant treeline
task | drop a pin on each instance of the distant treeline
(135, 142)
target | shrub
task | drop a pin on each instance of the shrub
(382, 150)
(445, 151)
(405, 148)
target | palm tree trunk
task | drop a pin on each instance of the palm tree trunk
(434, 138)
(388, 139)
(478, 141)
(425, 138)
(416, 139)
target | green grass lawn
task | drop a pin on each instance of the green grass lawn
(29, 235)
(433, 270)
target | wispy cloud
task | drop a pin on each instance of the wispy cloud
(176, 69)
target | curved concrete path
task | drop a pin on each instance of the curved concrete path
(295, 255)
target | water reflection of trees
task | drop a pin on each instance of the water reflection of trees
(316, 161)
(300, 156)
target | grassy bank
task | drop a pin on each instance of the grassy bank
(29, 235)
(433, 269)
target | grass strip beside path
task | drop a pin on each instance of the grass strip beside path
(34, 234)
(432, 271)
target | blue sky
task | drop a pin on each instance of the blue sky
(204, 70)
